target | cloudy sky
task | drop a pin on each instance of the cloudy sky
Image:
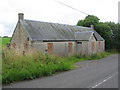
(52, 11)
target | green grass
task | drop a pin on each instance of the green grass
(77, 58)
(17, 67)
(4, 41)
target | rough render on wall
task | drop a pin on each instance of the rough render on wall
(85, 48)
(24, 39)
(100, 46)
(92, 45)
(59, 48)
(39, 46)
(63, 48)
(15, 39)
(20, 39)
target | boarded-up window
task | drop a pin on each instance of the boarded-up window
(79, 47)
(93, 45)
(69, 47)
(50, 48)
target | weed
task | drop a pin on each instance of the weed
(17, 67)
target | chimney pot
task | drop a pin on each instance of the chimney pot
(20, 16)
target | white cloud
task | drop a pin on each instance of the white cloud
(4, 31)
(51, 11)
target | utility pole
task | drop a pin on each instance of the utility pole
(119, 12)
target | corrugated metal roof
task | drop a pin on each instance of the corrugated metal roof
(38, 30)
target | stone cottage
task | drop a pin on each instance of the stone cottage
(55, 39)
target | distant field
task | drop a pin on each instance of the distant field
(4, 41)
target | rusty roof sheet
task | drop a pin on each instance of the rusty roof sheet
(38, 30)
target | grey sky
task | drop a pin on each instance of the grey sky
(51, 11)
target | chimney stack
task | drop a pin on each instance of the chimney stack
(92, 26)
(20, 16)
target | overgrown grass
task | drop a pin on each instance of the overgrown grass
(16, 67)
(76, 58)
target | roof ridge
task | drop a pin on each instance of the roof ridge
(57, 23)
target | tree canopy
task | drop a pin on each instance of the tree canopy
(88, 21)
(110, 31)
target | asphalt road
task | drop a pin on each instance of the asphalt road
(101, 73)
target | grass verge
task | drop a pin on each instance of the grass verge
(16, 67)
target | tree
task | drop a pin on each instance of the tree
(88, 21)
(103, 29)
(106, 32)
(116, 32)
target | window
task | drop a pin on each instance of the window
(79, 42)
(28, 39)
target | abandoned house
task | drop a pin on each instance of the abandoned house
(55, 39)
